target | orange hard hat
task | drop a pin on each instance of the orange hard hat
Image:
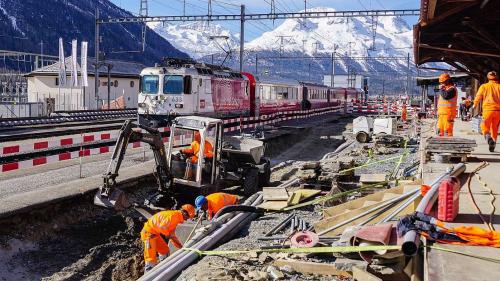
(189, 209)
(444, 77)
(492, 75)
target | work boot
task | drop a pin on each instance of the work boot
(148, 266)
(162, 257)
(491, 144)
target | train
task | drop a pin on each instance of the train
(184, 87)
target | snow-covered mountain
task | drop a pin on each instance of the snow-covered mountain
(302, 41)
(26, 24)
(198, 39)
(348, 36)
(316, 36)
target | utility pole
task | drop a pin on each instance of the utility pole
(273, 9)
(110, 66)
(349, 74)
(282, 42)
(256, 64)
(41, 51)
(143, 12)
(408, 76)
(184, 8)
(209, 10)
(316, 44)
(242, 36)
(96, 67)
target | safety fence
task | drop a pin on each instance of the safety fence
(378, 108)
(14, 156)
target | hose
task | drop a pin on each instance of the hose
(238, 208)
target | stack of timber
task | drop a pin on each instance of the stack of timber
(455, 147)
(358, 212)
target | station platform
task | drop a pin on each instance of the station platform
(20, 202)
(446, 266)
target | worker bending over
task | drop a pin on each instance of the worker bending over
(489, 95)
(447, 105)
(214, 202)
(159, 229)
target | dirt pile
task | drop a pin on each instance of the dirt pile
(74, 240)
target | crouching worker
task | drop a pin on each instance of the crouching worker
(214, 202)
(157, 232)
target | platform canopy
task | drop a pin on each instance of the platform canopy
(463, 33)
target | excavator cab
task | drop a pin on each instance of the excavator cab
(194, 151)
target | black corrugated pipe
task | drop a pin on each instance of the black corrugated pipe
(238, 208)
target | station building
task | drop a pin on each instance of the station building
(44, 86)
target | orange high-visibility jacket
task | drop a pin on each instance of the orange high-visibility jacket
(489, 94)
(219, 200)
(208, 151)
(165, 223)
(448, 106)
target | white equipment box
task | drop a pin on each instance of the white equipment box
(385, 126)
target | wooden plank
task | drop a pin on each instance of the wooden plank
(358, 203)
(275, 193)
(372, 178)
(313, 267)
(294, 199)
(273, 205)
(329, 222)
(363, 275)
(302, 195)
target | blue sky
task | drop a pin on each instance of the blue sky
(254, 28)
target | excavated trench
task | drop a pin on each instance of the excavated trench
(75, 240)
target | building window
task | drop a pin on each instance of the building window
(116, 83)
(132, 84)
(57, 81)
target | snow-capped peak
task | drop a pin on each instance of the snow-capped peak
(349, 35)
(198, 39)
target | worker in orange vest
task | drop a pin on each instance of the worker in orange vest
(404, 112)
(489, 95)
(214, 202)
(447, 105)
(159, 229)
(208, 152)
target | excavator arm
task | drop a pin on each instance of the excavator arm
(111, 197)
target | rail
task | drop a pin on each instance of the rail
(20, 156)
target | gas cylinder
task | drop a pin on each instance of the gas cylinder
(448, 198)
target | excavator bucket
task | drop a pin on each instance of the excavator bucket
(117, 199)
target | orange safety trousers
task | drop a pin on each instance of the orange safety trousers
(153, 245)
(445, 123)
(404, 114)
(491, 121)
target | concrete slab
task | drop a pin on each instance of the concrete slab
(26, 201)
(449, 266)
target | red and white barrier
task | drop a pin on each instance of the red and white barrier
(86, 138)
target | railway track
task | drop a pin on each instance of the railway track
(62, 117)
(54, 130)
